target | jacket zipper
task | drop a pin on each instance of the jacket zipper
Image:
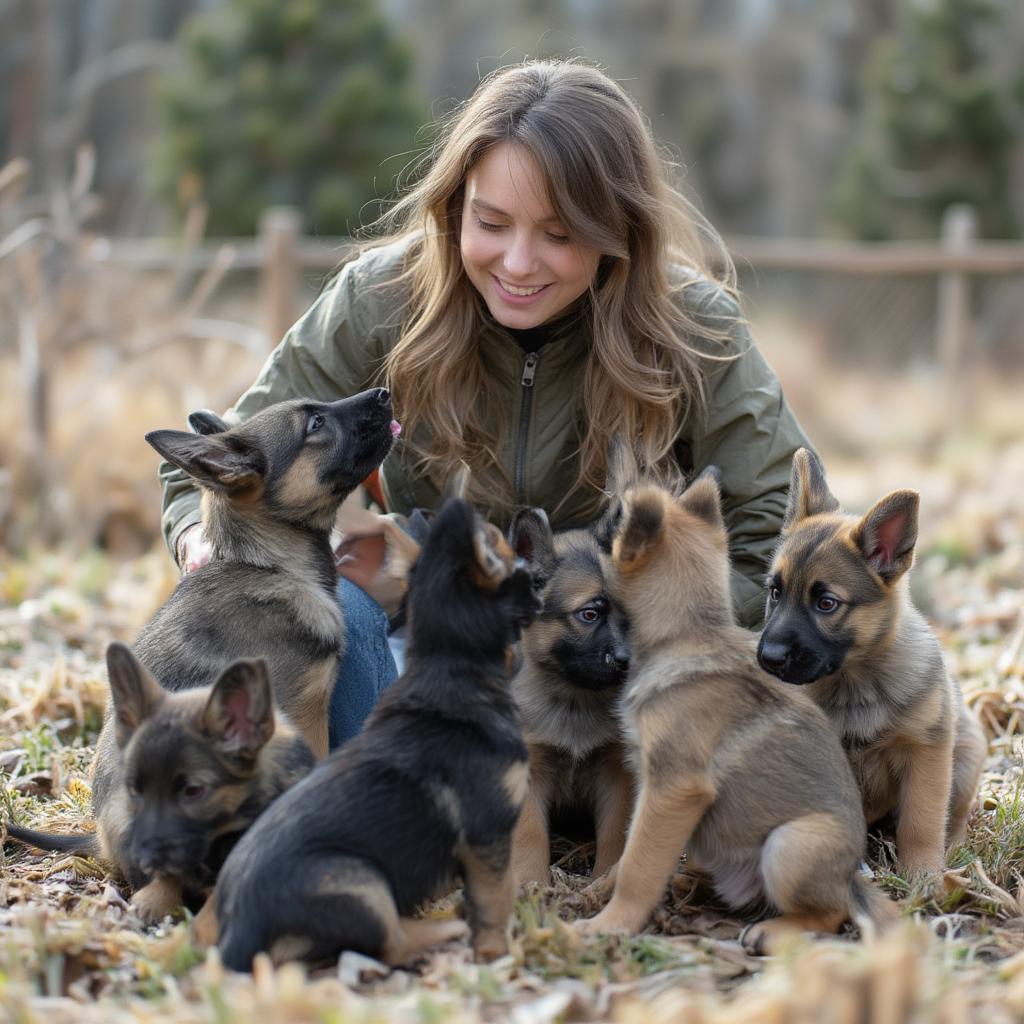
(525, 404)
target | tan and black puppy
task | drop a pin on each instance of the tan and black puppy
(742, 772)
(430, 789)
(188, 773)
(272, 487)
(840, 622)
(574, 662)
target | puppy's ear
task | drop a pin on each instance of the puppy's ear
(419, 526)
(887, 534)
(808, 491)
(220, 461)
(493, 559)
(401, 551)
(704, 497)
(623, 471)
(532, 538)
(239, 716)
(134, 691)
(203, 421)
(643, 523)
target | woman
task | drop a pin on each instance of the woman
(541, 288)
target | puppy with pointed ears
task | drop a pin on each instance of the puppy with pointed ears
(430, 789)
(272, 487)
(180, 777)
(574, 662)
(840, 623)
(742, 772)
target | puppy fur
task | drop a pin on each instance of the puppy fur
(840, 622)
(272, 487)
(431, 788)
(574, 662)
(742, 772)
(189, 772)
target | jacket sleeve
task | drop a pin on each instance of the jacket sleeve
(332, 352)
(750, 434)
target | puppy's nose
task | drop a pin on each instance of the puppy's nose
(620, 659)
(772, 656)
(383, 396)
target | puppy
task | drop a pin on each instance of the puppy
(431, 788)
(744, 773)
(189, 772)
(574, 662)
(272, 487)
(840, 622)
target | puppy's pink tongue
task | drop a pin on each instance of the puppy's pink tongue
(396, 428)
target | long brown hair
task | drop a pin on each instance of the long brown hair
(612, 190)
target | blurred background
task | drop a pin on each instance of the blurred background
(179, 176)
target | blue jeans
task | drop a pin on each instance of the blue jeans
(367, 667)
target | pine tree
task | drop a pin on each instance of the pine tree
(936, 128)
(297, 103)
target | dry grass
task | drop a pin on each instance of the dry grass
(70, 948)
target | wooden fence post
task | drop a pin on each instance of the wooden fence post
(954, 321)
(279, 234)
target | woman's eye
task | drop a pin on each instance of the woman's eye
(487, 225)
(826, 604)
(557, 239)
(314, 423)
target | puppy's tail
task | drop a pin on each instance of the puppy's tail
(869, 905)
(83, 844)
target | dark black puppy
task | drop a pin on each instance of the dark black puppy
(431, 788)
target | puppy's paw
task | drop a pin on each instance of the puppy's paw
(765, 938)
(153, 902)
(926, 882)
(608, 921)
(489, 944)
(204, 931)
(451, 931)
(921, 860)
(600, 890)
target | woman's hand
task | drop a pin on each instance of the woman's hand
(375, 553)
(193, 549)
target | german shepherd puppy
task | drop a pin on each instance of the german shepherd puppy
(575, 659)
(188, 773)
(430, 789)
(840, 622)
(272, 487)
(744, 773)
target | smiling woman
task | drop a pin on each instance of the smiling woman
(541, 289)
(516, 252)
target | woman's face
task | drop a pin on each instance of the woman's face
(519, 257)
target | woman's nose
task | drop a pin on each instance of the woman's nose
(519, 259)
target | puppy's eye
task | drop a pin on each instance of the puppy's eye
(133, 791)
(589, 615)
(774, 593)
(193, 791)
(314, 423)
(826, 604)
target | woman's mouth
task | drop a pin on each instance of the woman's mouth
(518, 294)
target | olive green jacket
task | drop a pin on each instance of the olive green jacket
(749, 433)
